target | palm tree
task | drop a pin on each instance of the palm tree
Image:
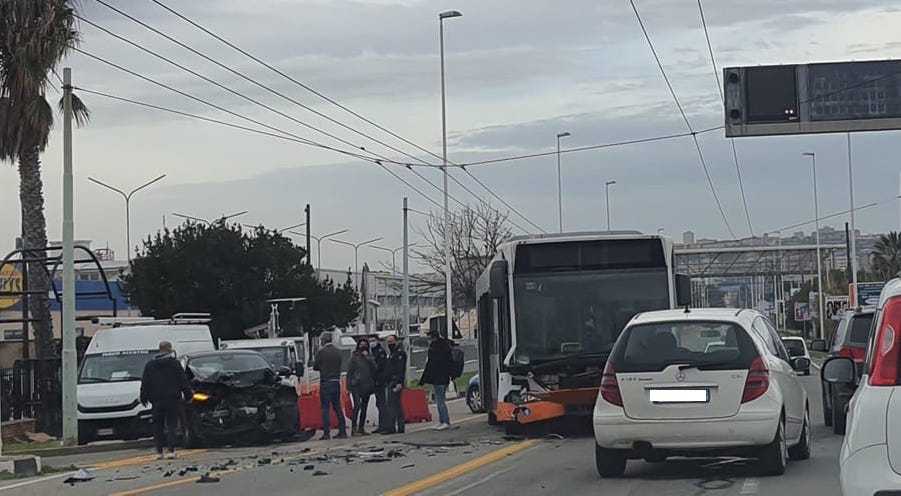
(887, 255)
(35, 35)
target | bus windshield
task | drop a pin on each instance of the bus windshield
(567, 313)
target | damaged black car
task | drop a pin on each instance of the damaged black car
(238, 398)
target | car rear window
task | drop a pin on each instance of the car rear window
(710, 345)
(794, 347)
(860, 330)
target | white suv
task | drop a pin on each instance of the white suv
(666, 392)
(870, 460)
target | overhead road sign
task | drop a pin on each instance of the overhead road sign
(835, 97)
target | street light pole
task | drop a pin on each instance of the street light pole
(319, 240)
(853, 254)
(393, 252)
(447, 229)
(607, 195)
(560, 181)
(208, 222)
(816, 214)
(127, 198)
(356, 247)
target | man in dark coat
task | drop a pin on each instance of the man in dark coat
(328, 363)
(380, 356)
(395, 373)
(438, 373)
(165, 386)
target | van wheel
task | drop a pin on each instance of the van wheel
(827, 411)
(801, 451)
(609, 462)
(774, 457)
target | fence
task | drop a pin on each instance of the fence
(32, 391)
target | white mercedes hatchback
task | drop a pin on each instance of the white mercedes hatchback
(666, 392)
(870, 460)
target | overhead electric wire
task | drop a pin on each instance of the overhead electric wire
(346, 109)
(719, 88)
(694, 136)
(835, 214)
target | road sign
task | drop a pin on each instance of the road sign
(802, 312)
(867, 293)
(813, 98)
(10, 280)
(836, 306)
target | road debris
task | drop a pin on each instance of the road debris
(319, 473)
(82, 475)
(437, 444)
(409, 465)
(207, 478)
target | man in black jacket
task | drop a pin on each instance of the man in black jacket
(438, 372)
(381, 361)
(395, 372)
(165, 386)
(328, 363)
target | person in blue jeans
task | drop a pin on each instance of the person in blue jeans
(438, 373)
(328, 363)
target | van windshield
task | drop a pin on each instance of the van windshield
(706, 345)
(115, 366)
(277, 356)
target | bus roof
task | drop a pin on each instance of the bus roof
(581, 236)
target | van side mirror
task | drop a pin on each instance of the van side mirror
(800, 364)
(683, 290)
(283, 371)
(497, 284)
(839, 370)
(818, 345)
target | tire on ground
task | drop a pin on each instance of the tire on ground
(773, 457)
(609, 462)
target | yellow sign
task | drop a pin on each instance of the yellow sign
(10, 280)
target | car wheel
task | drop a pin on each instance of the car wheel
(474, 399)
(827, 410)
(610, 463)
(774, 456)
(839, 416)
(801, 451)
(807, 372)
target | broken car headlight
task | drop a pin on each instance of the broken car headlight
(200, 397)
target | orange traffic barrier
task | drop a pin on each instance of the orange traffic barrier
(309, 407)
(415, 405)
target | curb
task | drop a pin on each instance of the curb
(86, 449)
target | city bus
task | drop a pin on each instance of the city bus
(550, 308)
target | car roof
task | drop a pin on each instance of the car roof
(891, 289)
(737, 315)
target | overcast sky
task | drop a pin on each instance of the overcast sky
(518, 72)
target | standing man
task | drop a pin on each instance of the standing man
(328, 363)
(361, 383)
(380, 356)
(165, 386)
(438, 371)
(395, 371)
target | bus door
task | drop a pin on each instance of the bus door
(487, 351)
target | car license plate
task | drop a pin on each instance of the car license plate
(105, 432)
(679, 395)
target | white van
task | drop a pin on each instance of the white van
(109, 379)
(279, 352)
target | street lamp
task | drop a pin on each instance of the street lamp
(206, 221)
(319, 240)
(393, 253)
(251, 226)
(816, 214)
(127, 197)
(607, 195)
(356, 247)
(560, 180)
(448, 14)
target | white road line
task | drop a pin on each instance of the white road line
(749, 487)
(36, 481)
(478, 482)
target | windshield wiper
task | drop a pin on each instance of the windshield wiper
(699, 364)
(92, 379)
(125, 378)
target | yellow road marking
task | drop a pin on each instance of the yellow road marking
(139, 460)
(460, 470)
(163, 485)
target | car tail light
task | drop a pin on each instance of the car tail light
(854, 353)
(886, 347)
(757, 382)
(609, 386)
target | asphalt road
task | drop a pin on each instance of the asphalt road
(473, 458)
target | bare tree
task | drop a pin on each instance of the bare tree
(476, 234)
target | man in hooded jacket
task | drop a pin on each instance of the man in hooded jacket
(165, 386)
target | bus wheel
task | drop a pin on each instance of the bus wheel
(514, 428)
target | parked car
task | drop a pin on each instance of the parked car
(797, 347)
(870, 459)
(109, 379)
(474, 395)
(238, 397)
(664, 393)
(850, 341)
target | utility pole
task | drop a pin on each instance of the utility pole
(853, 251)
(69, 358)
(405, 332)
(309, 253)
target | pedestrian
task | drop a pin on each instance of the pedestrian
(328, 363)
(361, 383)
(380, 356)
(438, 372)
(165, 386)
(395, 372)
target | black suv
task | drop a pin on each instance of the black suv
(850, 340)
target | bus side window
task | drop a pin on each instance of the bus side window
(502, 311)
(486, 322)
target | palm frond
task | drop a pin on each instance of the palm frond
(80, 111)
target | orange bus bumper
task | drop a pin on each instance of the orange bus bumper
(550, 405)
